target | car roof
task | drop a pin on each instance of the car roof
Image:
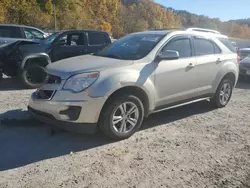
(245, 49)
(80, 30)
(15, 25)
(189, 32)
(159, 32)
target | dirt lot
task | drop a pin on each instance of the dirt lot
(192, 146)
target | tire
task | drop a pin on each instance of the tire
(33, 76)
(114, 130)
(222, 92)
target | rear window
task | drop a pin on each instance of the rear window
(228, 44)
(10, 32)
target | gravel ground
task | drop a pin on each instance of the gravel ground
(191, 146)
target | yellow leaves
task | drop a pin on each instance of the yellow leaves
(112, 16)
(105, 26)
(49, 6)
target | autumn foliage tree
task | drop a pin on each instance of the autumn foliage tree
(118, 17)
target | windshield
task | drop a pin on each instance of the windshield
(131, 47)
(51, 38)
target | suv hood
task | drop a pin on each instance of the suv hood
(6, 41)
(86, 63)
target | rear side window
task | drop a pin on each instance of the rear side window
(10, 32)
(181, 45)
(97, 38)
(228, 44)
(205, 47)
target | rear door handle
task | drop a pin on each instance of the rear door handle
(218, 60)
(191, 65)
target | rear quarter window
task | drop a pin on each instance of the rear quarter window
(228, 44)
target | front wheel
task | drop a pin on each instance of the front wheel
(33, 76)
(223, 93)
(122, 117)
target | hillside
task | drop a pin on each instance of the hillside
(242, 21)
(118, 17)
(237, 29)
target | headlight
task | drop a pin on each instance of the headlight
(80, 82)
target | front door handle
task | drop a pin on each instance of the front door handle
(191, 65)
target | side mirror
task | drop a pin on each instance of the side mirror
(168, 55)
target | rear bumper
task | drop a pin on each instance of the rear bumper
(88, 128)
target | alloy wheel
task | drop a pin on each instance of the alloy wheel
(225, 93)
(125, 117)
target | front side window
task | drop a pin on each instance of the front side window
(181, 45)
(33, 34)
(205, 47)
(76, 40)
(131, 47)
(70, 40)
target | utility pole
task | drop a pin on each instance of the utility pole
(54, 7)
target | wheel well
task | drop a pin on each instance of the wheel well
(37, 60)
(230, 76)
(133, 90)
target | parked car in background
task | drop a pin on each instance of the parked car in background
(27, 59)
(112, 39)
(10, 33)
(244, 52)
(245, 67)
(139, 74)
(235, 45)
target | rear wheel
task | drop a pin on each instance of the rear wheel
(223, 93)
(33, 76)
(122, 117)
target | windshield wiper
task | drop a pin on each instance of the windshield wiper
(114, 56)
(108, 55)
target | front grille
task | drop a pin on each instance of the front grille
(45, 94)
(53, 79)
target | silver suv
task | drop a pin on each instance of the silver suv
(140, 74)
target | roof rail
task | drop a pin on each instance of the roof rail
(203, 30)
(164, 29)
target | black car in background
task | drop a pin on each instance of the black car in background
(10, 33)
(28, 59)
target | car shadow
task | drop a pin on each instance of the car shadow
(169, 116)
(9, 84)
(15, 114)
(24, 142)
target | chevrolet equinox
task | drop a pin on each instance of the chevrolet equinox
(139, 74)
